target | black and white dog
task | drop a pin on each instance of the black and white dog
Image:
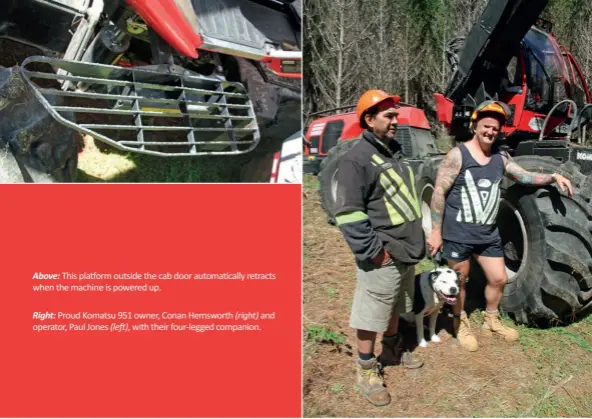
(432, 290)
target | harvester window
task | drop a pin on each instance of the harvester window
(545, 52)
(538, 82)
(512, 80)
(514, 72)
(314, 144)
(331, 135)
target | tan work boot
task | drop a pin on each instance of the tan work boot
(463, 334)
(371, 383)
(493, 324)
(392, 353)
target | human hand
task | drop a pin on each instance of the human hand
(434, 242)
(382, 258)
(564, 183)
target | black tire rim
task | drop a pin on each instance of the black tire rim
(426, 213)
(334, 186)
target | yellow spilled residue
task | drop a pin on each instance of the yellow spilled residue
(104, 165)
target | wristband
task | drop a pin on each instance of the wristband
(389, 263)
(554, 176)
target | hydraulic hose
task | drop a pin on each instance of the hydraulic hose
(573, 121)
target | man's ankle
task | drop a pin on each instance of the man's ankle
(459, 314)
(365, 356)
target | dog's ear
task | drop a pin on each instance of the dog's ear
(434, 275)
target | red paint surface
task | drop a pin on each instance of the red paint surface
(169, 22)
(408, 115)
(152, 228)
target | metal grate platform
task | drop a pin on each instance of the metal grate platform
(147, 110)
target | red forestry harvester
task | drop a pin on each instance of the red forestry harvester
(157, 77)
(509, 55)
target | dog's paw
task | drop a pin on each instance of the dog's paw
(423, 343)
(435, 338)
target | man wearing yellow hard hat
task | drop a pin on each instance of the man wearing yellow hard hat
(464, 207)
(377, 211)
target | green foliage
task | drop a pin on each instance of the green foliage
(337, 388)
(310, 183)
(321, 334)
(97, 166)
(399, 46)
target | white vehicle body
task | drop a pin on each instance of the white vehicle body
(287, 163)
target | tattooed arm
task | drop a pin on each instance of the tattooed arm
(523, 176)
(447, 173)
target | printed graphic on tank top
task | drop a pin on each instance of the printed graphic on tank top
(473, 202)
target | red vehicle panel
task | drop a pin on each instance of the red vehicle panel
(443, 109)
(408, 115)
(169, 22)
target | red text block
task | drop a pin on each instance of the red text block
(111, 252)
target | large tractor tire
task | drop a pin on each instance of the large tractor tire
(34, 147)
(425, 179)
(547, 246)
(329, 168)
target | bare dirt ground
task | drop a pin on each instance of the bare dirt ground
(548, 373)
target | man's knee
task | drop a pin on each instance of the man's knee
(365, 334)
(498, 280)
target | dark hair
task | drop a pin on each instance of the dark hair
(373, 111)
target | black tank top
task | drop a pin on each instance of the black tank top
(473, 202)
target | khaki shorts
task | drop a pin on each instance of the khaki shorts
(381, 291)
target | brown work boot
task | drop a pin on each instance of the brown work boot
(371, 383)
(392, 353)
(493, 324)
(464, 336)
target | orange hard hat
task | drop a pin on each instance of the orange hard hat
(372, 98)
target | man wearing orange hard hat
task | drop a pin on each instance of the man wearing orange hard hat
(464, 207)
(378, 212)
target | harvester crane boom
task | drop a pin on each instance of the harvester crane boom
(489, 46)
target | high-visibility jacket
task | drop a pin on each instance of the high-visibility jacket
(377, 204)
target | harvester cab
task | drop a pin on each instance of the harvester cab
(332, 126)
(514, 57)
(325, 130)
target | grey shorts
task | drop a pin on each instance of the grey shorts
(381, 291)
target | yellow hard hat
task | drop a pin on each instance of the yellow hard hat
(494, 106)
